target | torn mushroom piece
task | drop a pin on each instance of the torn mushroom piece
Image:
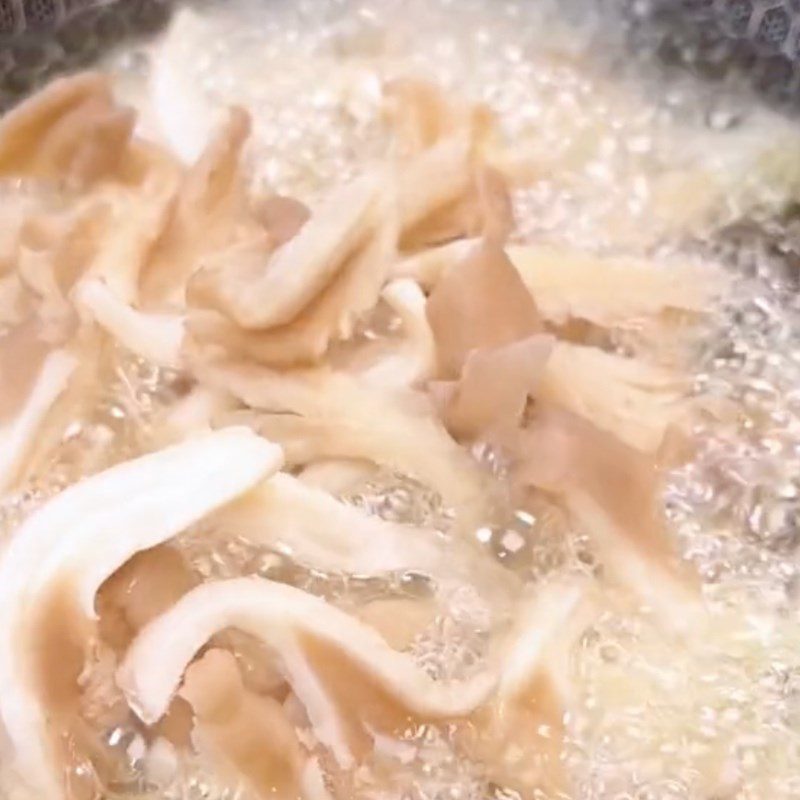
(248, 736)
(485, 209)
(412, 362)
(494, 387)
(52, 568)
(33, 375)
(421, 115)
(70, 131)
(428, 265)
(180, 112)
(446, 190)
(127, 225)
(613, 491)
(489, 344)
(274, 292)
(478, 303)
(349, 681)
(104, 195)
(323, 533)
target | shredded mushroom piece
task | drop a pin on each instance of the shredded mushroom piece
(413, 362)
(639, 401)
(479, 302)
(56, 561)
(211, 198)
(258, 296)
(70, 130)
(494, 387)
(523, 729)
(613, 490)
(428, 265)
(326, 534)
(244, 732)
(19, 430)
(330, 315)
(611, 291)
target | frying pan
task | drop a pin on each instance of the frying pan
(754, 40)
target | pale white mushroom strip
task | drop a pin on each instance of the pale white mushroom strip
(182, 115)
(638, 402)
(324, 533)
(192, 414)
(523, 728)
(540, 622)
(675, 601)
(330, 315)
(434, 178)
(281, 616)
(299, 269)
(155, 337)
(613, 491)
(426, 266)
(423, 452)
(414, 361)
(84, 534)
(336, 475)
(18, 434)
(569, 283)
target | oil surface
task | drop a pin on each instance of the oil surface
(625, 161)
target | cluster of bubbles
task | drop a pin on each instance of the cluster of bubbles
(658, 720)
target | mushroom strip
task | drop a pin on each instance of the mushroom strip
(326, 534)
(293, 624)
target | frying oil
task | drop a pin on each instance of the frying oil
(618, 158)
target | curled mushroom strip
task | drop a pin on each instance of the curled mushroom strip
(155, 337)
(303, 631)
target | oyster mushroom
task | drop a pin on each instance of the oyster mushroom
(412, 362)
(331, 315)
(494, 387)
(477, 303)
(34, 375)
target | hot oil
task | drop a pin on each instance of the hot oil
(618, 164)
(110, 421)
